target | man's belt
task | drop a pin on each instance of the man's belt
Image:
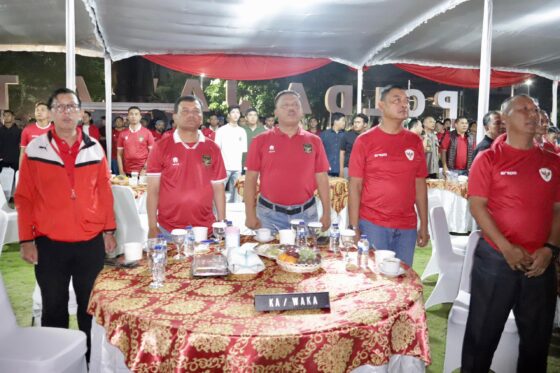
(287, 210)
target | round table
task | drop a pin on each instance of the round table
(210, 324)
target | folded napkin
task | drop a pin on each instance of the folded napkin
(243, 260)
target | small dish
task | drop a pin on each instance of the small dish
(263, 241)
(400, 273)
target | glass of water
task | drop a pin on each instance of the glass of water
(219, 229)
(347, 238)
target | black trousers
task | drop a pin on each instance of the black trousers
(58, 262)
(495, 290)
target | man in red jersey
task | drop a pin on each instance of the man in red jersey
(159, 129)
(65, 212)
(387, 178)
(512, 265)
(291, 164)
(41, 126)
(134, 145)
(213, 123)
(186, 175)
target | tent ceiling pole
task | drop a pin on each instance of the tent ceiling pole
(70, 45)
(554, 112)
(108, 108)
(485, 63)
(360, 72)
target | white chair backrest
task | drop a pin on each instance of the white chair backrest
(3, 228)
(3, 200)
(129, 228)
(16, 179)
(7, 317)
(467, 263)
(7, 181)
(440, 234)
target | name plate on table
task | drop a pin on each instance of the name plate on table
(292, 301)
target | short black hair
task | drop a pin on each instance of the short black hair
(56, 93)
(429, 116)
(286, 92)
(233, 107)
(336, 116)
(446, 120)
(552, 129)
(413, 122)
(9, 111)
(363, 116)
(488, 117)
(251, 110)
(388, 88)
(188, 98)
(88, 113)
(461, 117)
(134, 108)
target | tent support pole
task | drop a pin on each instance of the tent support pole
(360, 90)
(108, 108)
(70, 45)
(554, 112)
(485, 63)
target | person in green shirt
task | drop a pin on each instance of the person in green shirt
(253, 128)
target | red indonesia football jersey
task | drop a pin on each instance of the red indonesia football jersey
(388, 165)
(135, 147)
(521, 187)
(186, 176)
(32, 131)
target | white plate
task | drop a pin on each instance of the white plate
(263, 241)
(263, 250)
(401, 272)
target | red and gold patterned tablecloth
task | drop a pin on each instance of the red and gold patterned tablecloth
(458, 187)
(211, 325)
(338, 191)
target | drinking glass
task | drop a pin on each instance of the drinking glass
(179, 236)
(219, 229)
(314, 229)
(347, 238)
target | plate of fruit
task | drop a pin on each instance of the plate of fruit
(299, 260)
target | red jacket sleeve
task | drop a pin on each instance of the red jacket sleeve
(25, 200)
(106, 194)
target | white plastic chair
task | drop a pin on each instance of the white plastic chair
(38, 350)
(505, 357)
(432, 268)
(12, 234)
(129, 225)
(37, 310)
(3, 227)
(450, 264)
(7, 181)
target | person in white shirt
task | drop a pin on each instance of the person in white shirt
(232, 140)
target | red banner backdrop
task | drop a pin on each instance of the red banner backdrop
(238, 67)
(466, 78)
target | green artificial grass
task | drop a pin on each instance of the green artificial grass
(19, 280)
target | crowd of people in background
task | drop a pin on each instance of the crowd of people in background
(450, 145)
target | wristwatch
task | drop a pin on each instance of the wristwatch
(555, 250)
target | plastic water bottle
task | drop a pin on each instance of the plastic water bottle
(363, 250)
(189, 241)
(158, 262)
(301, 235)
(334, 239)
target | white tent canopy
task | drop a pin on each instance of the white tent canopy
(354, 32)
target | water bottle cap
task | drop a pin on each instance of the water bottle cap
(188, 227)
(363, 236)
(302, 223)
(160, 235)
(335, 225)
